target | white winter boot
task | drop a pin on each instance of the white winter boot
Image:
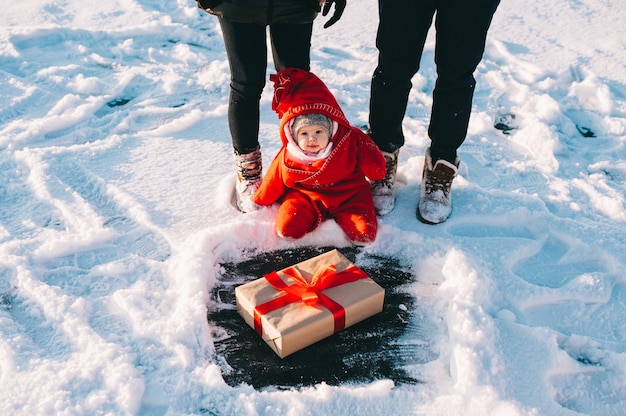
(383, 191)
(435, 202)
(249, 170)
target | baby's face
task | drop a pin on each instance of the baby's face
(312, 139)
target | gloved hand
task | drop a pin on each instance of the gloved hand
(208, 4)
(340, 5)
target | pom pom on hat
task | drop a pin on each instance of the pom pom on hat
(312, 119)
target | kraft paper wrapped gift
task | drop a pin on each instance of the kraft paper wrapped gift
(305, 303)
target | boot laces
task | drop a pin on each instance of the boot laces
(249, 169)
(248, 166)
(388, 181)
(439, 179)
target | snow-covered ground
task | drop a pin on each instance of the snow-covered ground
(116, 172)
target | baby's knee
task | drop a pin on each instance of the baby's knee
(295, 223)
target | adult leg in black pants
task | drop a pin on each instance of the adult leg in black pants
(246, 49)
(461, 29)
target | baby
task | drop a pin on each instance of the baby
(323, 168)
(312, 134)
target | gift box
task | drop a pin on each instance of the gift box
(305, 303)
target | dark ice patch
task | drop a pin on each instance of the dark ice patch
(119, 101)
(505, 122)
(369, 350)
(585, 131)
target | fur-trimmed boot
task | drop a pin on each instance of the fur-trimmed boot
(249, 170)
(383, 191)
(435, 202)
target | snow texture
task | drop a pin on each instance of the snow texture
(116, 221)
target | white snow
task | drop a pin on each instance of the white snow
(116, 173)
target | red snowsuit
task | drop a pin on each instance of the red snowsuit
(334, 187)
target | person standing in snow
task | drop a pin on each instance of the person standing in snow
(322, 170)
(461, 30)
(243, 24)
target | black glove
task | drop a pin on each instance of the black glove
(340, 5)
(208, 4)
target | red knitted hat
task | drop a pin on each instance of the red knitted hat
(297, 91)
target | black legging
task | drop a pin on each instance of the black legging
(461, 30)
(246, 47)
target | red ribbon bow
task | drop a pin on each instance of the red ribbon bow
(309, 292)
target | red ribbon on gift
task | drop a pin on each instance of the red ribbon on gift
(309, 292)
